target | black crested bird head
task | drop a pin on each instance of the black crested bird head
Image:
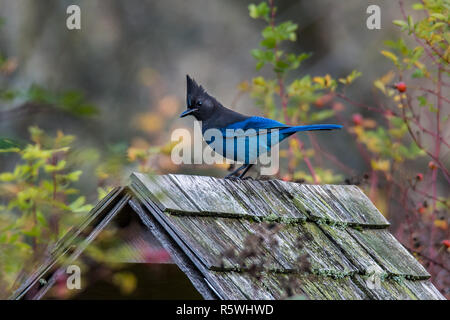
(198, 102)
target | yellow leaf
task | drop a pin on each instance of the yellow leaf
(319, 80)
(259, 81)
(328, 80)
(388, 77)
(126, 281)
(294, 144)
(244, 86)
(441, 224)
(136, 153)
(381, 165)
(380, 85)
(390, 56)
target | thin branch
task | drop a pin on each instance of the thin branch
(434, 93)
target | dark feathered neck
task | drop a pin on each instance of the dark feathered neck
(222, 118)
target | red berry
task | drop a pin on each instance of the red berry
(357, 119)
(446, 243)
(400, 86)
(337, 106)
(323, 100)
(388, 113)
(422, 210)
(432, 165)
(419, 177)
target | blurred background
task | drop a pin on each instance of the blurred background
(118, 84)
(130, 60)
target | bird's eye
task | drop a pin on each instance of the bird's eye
(199, 103)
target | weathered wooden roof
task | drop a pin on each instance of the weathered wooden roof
(250, 239)
(336, 227)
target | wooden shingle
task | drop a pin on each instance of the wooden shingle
(337, 228)
(246, 239)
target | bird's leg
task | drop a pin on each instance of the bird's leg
(248, 166)
(230, 176)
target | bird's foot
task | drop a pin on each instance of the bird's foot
(232, 177)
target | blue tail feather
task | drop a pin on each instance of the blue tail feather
(311, 127)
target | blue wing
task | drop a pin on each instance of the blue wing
(260, 123)
(257, 123)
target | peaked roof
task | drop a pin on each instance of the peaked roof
(251, 239)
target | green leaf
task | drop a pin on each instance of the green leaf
(418, 73)
(415, 151)
(286, 31)
(258, 54)
(41, 219)
(269, 43)
(322, 115)
(259, 11)
(400, 23)
(34, 232)
(410, 23)
(36, 133)
(74, 102)
(38, 94)
(79, 205)
(399, 45)
(53, 168)
(438, 25)
(281, 66)
(439, 16)
(396, 122)
(8, 95)
(259, 65)
(8, 145)
(103, 192)
(417, 53)
(73, 176)
(270, 33)
(432, 109)
(253, 11)
(7, 177)
(422, 101)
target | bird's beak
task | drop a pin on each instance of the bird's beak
(188, 112)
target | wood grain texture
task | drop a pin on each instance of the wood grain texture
(389, 253)
(337, 228)
(208, 194)
(164, 193)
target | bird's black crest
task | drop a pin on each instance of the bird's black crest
(193, 89)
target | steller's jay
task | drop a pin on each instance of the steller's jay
(213, 115)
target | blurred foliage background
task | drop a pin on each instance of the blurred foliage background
(81, 109)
